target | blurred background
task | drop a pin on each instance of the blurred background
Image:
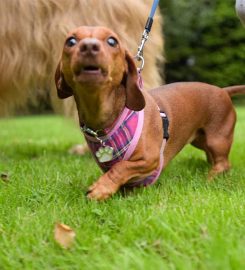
(204, 41)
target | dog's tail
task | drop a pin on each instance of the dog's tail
(235, 90)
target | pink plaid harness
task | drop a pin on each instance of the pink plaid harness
(123, 138)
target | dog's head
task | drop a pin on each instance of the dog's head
(93, 60)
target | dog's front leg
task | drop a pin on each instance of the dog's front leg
(110, 182)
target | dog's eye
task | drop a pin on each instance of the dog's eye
(112, 41)
(71, 42)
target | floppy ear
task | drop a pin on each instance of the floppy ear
(63, 90)
(134, 98)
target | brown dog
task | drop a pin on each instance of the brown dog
(101, 75)
(31, 43)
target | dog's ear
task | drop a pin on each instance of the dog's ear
(63, 89)
(134, 98)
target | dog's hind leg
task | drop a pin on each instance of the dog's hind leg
(216, 140)
(219, 148)
(219, 143)
(201, 143)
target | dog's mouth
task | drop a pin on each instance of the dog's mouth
(91, 70)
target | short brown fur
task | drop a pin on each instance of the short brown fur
(199, 113)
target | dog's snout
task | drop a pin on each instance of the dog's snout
(90, 46)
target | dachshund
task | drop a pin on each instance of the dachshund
(132, 133)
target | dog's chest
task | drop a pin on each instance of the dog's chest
(120, 142)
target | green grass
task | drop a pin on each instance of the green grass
(182, 222)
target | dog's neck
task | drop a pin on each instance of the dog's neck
(99, 108)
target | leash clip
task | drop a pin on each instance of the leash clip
(139, 57)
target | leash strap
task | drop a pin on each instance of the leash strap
(154, 7)
(145, 34)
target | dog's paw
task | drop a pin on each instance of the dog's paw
(102, 190)
(104, 154)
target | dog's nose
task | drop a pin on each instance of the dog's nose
(90, 46)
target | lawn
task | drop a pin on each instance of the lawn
(182, 222)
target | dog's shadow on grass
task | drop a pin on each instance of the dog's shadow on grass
(179, 172)
(190, 164)
(82, 171)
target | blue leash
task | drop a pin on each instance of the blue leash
(153, 9)
(145, 34)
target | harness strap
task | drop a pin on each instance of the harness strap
(151, 179)
(165, 124)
